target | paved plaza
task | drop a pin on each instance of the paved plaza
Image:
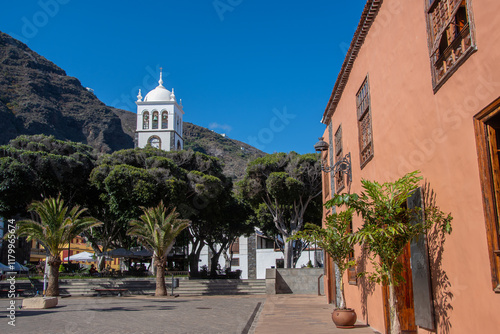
(194, 315)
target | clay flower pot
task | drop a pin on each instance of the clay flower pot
(344, 318)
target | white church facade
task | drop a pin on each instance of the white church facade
(159, 120)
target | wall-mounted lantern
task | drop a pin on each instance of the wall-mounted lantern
(341, 167)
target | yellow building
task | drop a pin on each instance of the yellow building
(77, 245)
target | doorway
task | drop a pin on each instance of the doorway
(404, 298)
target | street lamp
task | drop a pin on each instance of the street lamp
(341, 167)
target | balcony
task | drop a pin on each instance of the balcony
(455, 54)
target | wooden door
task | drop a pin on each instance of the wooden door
(404, 297)
(330, 267)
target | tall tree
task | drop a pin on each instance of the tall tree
(156, 230)
(54, 227)
(285, 186)
(208, 192)
(39, 166)
(124, 182)
(231, 222)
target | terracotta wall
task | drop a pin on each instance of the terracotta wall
(413, 128)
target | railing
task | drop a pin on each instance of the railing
(452, 54)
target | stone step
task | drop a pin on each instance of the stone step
(147, 286)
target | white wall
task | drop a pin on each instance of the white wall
(242, 255)
(266, 259)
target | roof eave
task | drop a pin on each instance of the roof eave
(367, 17)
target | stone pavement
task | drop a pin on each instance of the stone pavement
(191, 315)
(290, 314)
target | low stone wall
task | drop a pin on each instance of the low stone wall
(298, 281)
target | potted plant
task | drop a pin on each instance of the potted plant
(335, 239)
(388, 226)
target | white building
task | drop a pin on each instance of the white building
(253, 255)
(159, 119)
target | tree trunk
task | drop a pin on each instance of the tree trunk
(101, 262)
(214, 261)
(53, 284)
(194, 259)
(342, 294)
(288, 253)
(227, 259)
(152, 267)
(161, 289)
(393, 310)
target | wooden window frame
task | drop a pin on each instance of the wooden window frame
(456, 55)
(363, 109)
(490, 185)
(339, 178)
(235, 246)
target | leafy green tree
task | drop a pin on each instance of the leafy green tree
(55, 226)
(388, 226)
(39, 166)
(209, 191)
(335, 239)
(231, 222)
(156, 230)
(124, 182)
(283, 187)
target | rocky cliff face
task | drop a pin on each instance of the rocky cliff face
(37, 97)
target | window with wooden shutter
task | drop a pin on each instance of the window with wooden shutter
(363, 107)
(487, 128)
(235, 246)
(339, 177)
(450, 29)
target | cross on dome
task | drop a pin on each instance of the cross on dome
(161, 80)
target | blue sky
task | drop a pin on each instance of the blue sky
(259, 71)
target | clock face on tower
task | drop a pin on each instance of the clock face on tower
(154, 142)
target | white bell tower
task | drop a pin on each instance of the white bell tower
(159, 119)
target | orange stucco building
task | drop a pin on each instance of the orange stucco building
(420, 90)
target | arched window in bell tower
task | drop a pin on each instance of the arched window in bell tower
(155, 120)
(145, 120)
(164, 120)
(178, 145)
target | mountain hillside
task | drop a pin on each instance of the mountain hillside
(37, 97)
(234, 153)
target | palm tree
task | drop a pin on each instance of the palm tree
(56, 226)
(157, 230)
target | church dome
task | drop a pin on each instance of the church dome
(160, 93)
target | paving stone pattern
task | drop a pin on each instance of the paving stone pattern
(136, 314)
(272, 314)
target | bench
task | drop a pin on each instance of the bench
(110, 290)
